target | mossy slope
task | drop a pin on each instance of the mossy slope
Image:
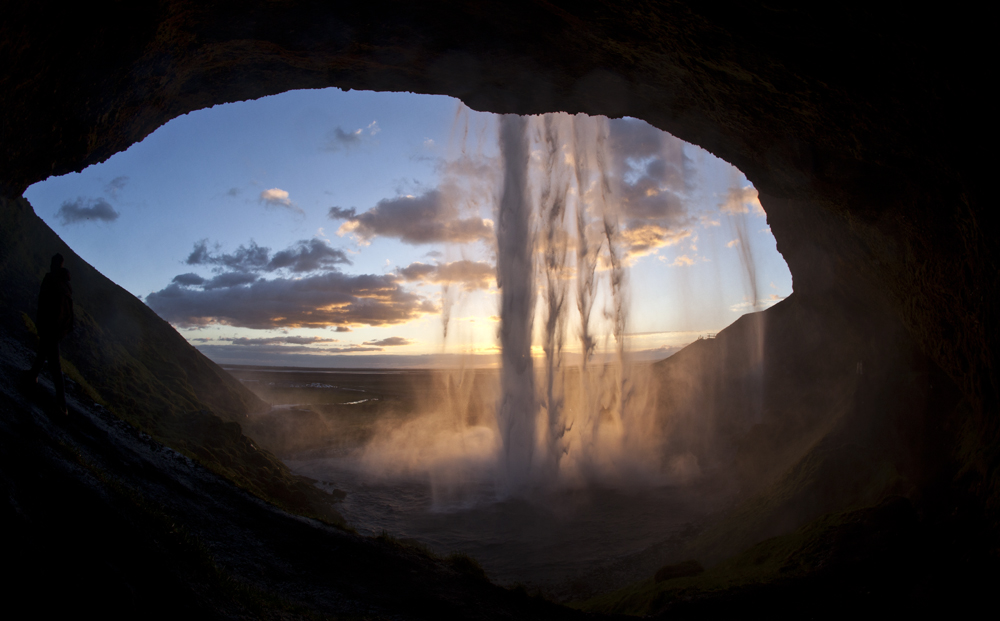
(142, 369)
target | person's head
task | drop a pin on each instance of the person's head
(57, 261)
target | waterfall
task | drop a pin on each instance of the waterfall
(516, 280)
(556, 165)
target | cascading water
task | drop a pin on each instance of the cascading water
(560, 460)
(515, 278)
(580, 423)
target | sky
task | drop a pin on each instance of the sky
(328, 228)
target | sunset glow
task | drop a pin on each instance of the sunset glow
(329, 228)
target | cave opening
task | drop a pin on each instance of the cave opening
(326, 189)
(861, 129)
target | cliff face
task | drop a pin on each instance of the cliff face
(142, 361)
(808, 410)
(859, 127)
(125, 357)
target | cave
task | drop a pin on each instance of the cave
(861, 129)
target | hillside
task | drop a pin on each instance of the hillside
(141, 369)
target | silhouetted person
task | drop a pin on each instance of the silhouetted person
(55, 321)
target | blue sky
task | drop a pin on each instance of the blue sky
(319, 228)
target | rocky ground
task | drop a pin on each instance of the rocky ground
(101, 517)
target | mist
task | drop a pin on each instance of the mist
(573, 449)
(547, 424)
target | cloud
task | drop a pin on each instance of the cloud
(306, 255)
(339, 213)
(276, 197)
(245, 258)
(189, 280)
(115, 185)
(309, 291)
(317, 301)
(418, 271)
(280, 340)
(255, 353)
(96, 209)
(742, 200)
(230, 279)
(658, 353)
(747, 306)
(337, 139)
(392, 341)
(652, 173)
(423, 219)
(634, 138)
(471, 274)
(642, 239)
(306, 340)
(649, 169)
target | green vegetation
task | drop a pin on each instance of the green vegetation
(69, 369)
(465, 564)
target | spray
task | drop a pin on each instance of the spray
(560, 254)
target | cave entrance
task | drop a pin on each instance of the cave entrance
(329, 230)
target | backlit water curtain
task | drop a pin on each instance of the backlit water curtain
(558, 236)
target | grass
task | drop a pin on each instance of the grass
(465, 564)
(69, 369)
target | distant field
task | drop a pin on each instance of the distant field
(324, 409)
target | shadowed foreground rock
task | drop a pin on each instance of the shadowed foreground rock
(99, 517)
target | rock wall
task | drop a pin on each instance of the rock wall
(860, 126)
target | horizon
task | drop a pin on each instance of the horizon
(320, 228)
(474, 362)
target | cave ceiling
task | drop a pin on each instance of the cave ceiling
(861, 128)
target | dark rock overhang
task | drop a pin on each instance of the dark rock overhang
(859, 126)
